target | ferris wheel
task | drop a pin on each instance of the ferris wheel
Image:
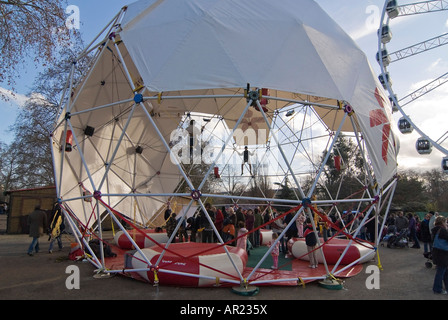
(421, 67)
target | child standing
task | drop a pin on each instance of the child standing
(275, 250)
(242, 239)
(311, 242)
(300, 220)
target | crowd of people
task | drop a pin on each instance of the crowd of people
(227, 221)
(230, 223)
(241, 227)
(235, 225)
(39, 224)
(417, 231)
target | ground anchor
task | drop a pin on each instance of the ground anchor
(246, 290)
(102, 274)
(332, 283)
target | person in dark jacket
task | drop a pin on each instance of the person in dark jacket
(425, 234)
(171, 225)
(440, 257)
(413, 230)
(37, 220)
(207, 232)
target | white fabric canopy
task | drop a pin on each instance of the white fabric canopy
(208, 47)
(288, 46)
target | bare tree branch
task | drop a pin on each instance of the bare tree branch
(30, 31)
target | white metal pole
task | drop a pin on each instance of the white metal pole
(351, 240)
(225, 143)
(81, 155)
(128, 236)
(110, 161)
(173, 235)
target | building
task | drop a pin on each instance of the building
(22, 203)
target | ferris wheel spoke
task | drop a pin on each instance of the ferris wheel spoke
(434, 84)
(420, 47)
(423, 7)
(394, 10)
(443, 137)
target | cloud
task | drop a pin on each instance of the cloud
(10, 103)
(12, 98)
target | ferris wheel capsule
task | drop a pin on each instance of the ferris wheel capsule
(445, 164)
(423, 146)
(384, 56)
(385, 78)
(385, 34)
(393, 104)
(404, 126)
(392, 9)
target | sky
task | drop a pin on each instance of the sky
(360, 19)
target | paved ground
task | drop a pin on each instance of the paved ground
(43, 276)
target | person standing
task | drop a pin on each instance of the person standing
(37, 221)
(311, 244)
(171, 226)
(413, 231)
(219, 222)
(250, 221)
(426, 234)
(275, 252)
(246, 154)
(206, 224)
(241, 241)
(277, 227)
(258, 221)
(432, 220)
(299, 222)
(440, 257)
(56, 228)
(401, 222)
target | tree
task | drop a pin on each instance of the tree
(30, 28)
(436, 186)
(260, 184)
(410, 192)
(6, 165)
(286, 192)
(342, 182)
(27, 162)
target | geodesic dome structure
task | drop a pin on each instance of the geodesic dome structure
(119, 143)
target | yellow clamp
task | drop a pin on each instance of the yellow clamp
(245, 283)
(159, 98)
(300, 282)
(330, 275)
(379, 262)
(156, 277)
(340, 104)
(138, 88)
